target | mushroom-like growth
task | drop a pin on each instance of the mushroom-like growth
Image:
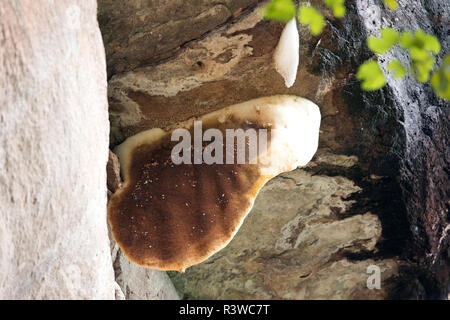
(286, 55)
(171, 216)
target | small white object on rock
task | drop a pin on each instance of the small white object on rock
(286, 54)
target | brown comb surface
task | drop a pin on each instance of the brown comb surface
(169, 216)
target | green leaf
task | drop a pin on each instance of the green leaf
(389, 38)
(310, 16)
(398, 69)
(422, 68)
(371, 76)
(420, 40)
(338, 7)
(440, 81)
(391, 4)
(418, 54)
(279, 10)
(406, 40)
(421, 47)
(431, 43)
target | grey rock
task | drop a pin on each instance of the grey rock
(140, 283)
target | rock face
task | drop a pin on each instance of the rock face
(139, 283)
(424, 157)
(113, 181)
(53, 152)
(294, 245)
(143, 32)
(375, 194)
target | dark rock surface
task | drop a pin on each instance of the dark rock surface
(423, 151)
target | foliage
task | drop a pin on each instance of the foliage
(398, 69)
(280, 10)
(440, 81)
(338, 7)
(313, 18)
(391, 4)
(389, 38)
(371, 76)
(420, 46)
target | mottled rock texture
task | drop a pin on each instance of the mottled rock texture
(53, 152)
(377, 191)
(113, 180)
(141, 32)
(295, 244)
(139, 283)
